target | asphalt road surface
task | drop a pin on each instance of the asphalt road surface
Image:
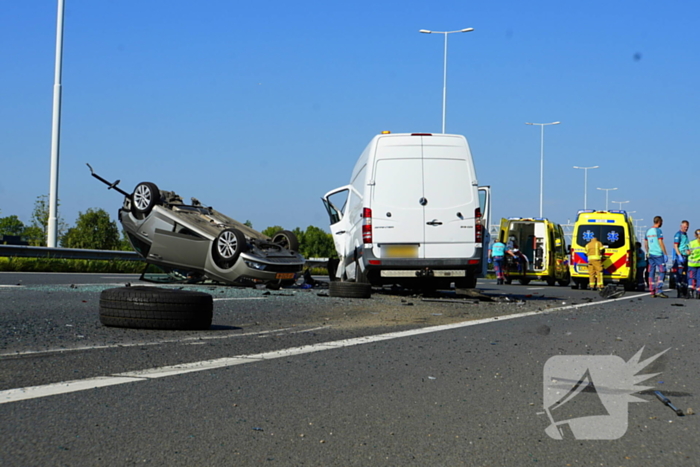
(294, 377)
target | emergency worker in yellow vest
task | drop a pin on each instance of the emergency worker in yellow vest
(594, 251)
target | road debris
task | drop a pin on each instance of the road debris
(667, 402)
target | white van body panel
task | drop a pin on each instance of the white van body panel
(422, 193)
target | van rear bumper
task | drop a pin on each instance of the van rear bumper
(407, 270)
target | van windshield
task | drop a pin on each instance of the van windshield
(613, 236)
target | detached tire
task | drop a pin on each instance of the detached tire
(349, 289)
(155, 308)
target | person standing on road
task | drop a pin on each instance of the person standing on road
(497, 254)
(680, 259)
(654, 243)
(641, 266)
(694, 266)
(594, 252)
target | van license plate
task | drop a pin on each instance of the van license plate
(457, 273)
(401, 251)
(284, 275)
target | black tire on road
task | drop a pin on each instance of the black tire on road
(565, 281)
(551, 281)
(524, 281)
(349, 289)
(145, 196)
(286, 239)
(155, 308)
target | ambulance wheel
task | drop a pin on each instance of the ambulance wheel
(564, 282)
(630, 286)
(508, 280)
(551, 281)
(524, 281)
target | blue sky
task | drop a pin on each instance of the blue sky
(258, 109)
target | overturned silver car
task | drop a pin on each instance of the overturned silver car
(202, 243)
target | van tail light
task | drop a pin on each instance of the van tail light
(479, 228)
(366, 225)
(628, 259)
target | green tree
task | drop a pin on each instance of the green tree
(248, 223)
(270, 231)
(313, 242)
(37, 232)
(11, 225)
(124, 243)
(93, 230)
(316, 243)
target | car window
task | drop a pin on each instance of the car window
(612, 236)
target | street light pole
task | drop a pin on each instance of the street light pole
(542, 125)
(585, 183)
(620, 203)
(55, 133)
(606, 195)
(444, 68)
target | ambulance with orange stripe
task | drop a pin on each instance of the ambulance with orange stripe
(615, 230)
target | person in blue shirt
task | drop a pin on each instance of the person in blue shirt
(657, 258)
(497, 254)
(641, 266)
(680, 259)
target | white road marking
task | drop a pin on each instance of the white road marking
(8, 286)
(239, 298)
(143, 344)
(18, 394)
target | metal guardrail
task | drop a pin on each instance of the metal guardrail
(21, 251)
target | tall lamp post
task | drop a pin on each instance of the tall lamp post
(620, 203)
(606, 190)
(542, 125)
(444, 68)
(55, 133)
(585, 183)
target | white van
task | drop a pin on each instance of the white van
(412, 213)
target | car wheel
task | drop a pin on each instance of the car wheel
(227, 247)
(286, 239)
(155, 308)
(524, 281)
(344, 289)
(146, 195)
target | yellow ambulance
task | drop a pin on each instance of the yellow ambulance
(615, 230)
(539, 249)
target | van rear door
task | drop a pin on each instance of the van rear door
(450, 198)
(397, 190)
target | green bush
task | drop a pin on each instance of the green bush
(70, 265)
